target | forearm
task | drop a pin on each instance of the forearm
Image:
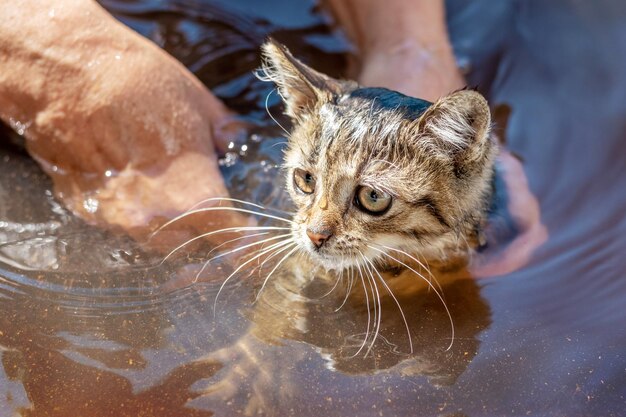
(376, 25)
(108, 114)
(69, 71)
(402, 45)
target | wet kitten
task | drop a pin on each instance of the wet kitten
(376, 175)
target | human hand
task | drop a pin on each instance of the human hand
(402, 45)
(525, 212)
(124, 130)
(412, 68)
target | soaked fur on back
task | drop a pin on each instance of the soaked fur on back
(435, 161)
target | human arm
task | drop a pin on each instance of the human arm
(402, 45)
(124, 130)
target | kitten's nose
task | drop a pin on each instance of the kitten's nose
(318, 237)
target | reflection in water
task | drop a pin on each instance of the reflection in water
(69, 364)
(91, 324)
(305, 311)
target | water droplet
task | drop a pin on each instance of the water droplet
(108, 173)
(91, 205)
(464, 64)
(228, 160)
(18, 126)
(231, 145)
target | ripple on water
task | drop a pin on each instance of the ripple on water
(92, 324)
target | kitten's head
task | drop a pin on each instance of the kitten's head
(371, 169)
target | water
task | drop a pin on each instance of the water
(93, 325)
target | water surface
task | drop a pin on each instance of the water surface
(93, 325)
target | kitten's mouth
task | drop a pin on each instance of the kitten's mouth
(327, 254)
(330, 262)
(332, 259)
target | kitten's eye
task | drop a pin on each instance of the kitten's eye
(372, 201)
(305, 181)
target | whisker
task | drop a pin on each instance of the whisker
(207, 209)
(214, 232)
(270, 114)
(430, 274)
(240, 248)
(269, 249)
(376, 315)
(406, 323)
(262, 248)
(274, 269)
(367, 305)
(432, 277)
(380, 307)
(236, 200)
(349, 290)
(260, 267)
(229, 199)
(278, 144)
(431, 285)
(339, 278)
(215, 257)
(236, 239)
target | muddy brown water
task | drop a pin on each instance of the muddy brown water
(90, 327)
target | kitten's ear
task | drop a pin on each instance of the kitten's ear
(458, 122)
(300, 86)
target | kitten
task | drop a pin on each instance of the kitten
(375, 174)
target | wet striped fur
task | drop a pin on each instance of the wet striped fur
(434, 159)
